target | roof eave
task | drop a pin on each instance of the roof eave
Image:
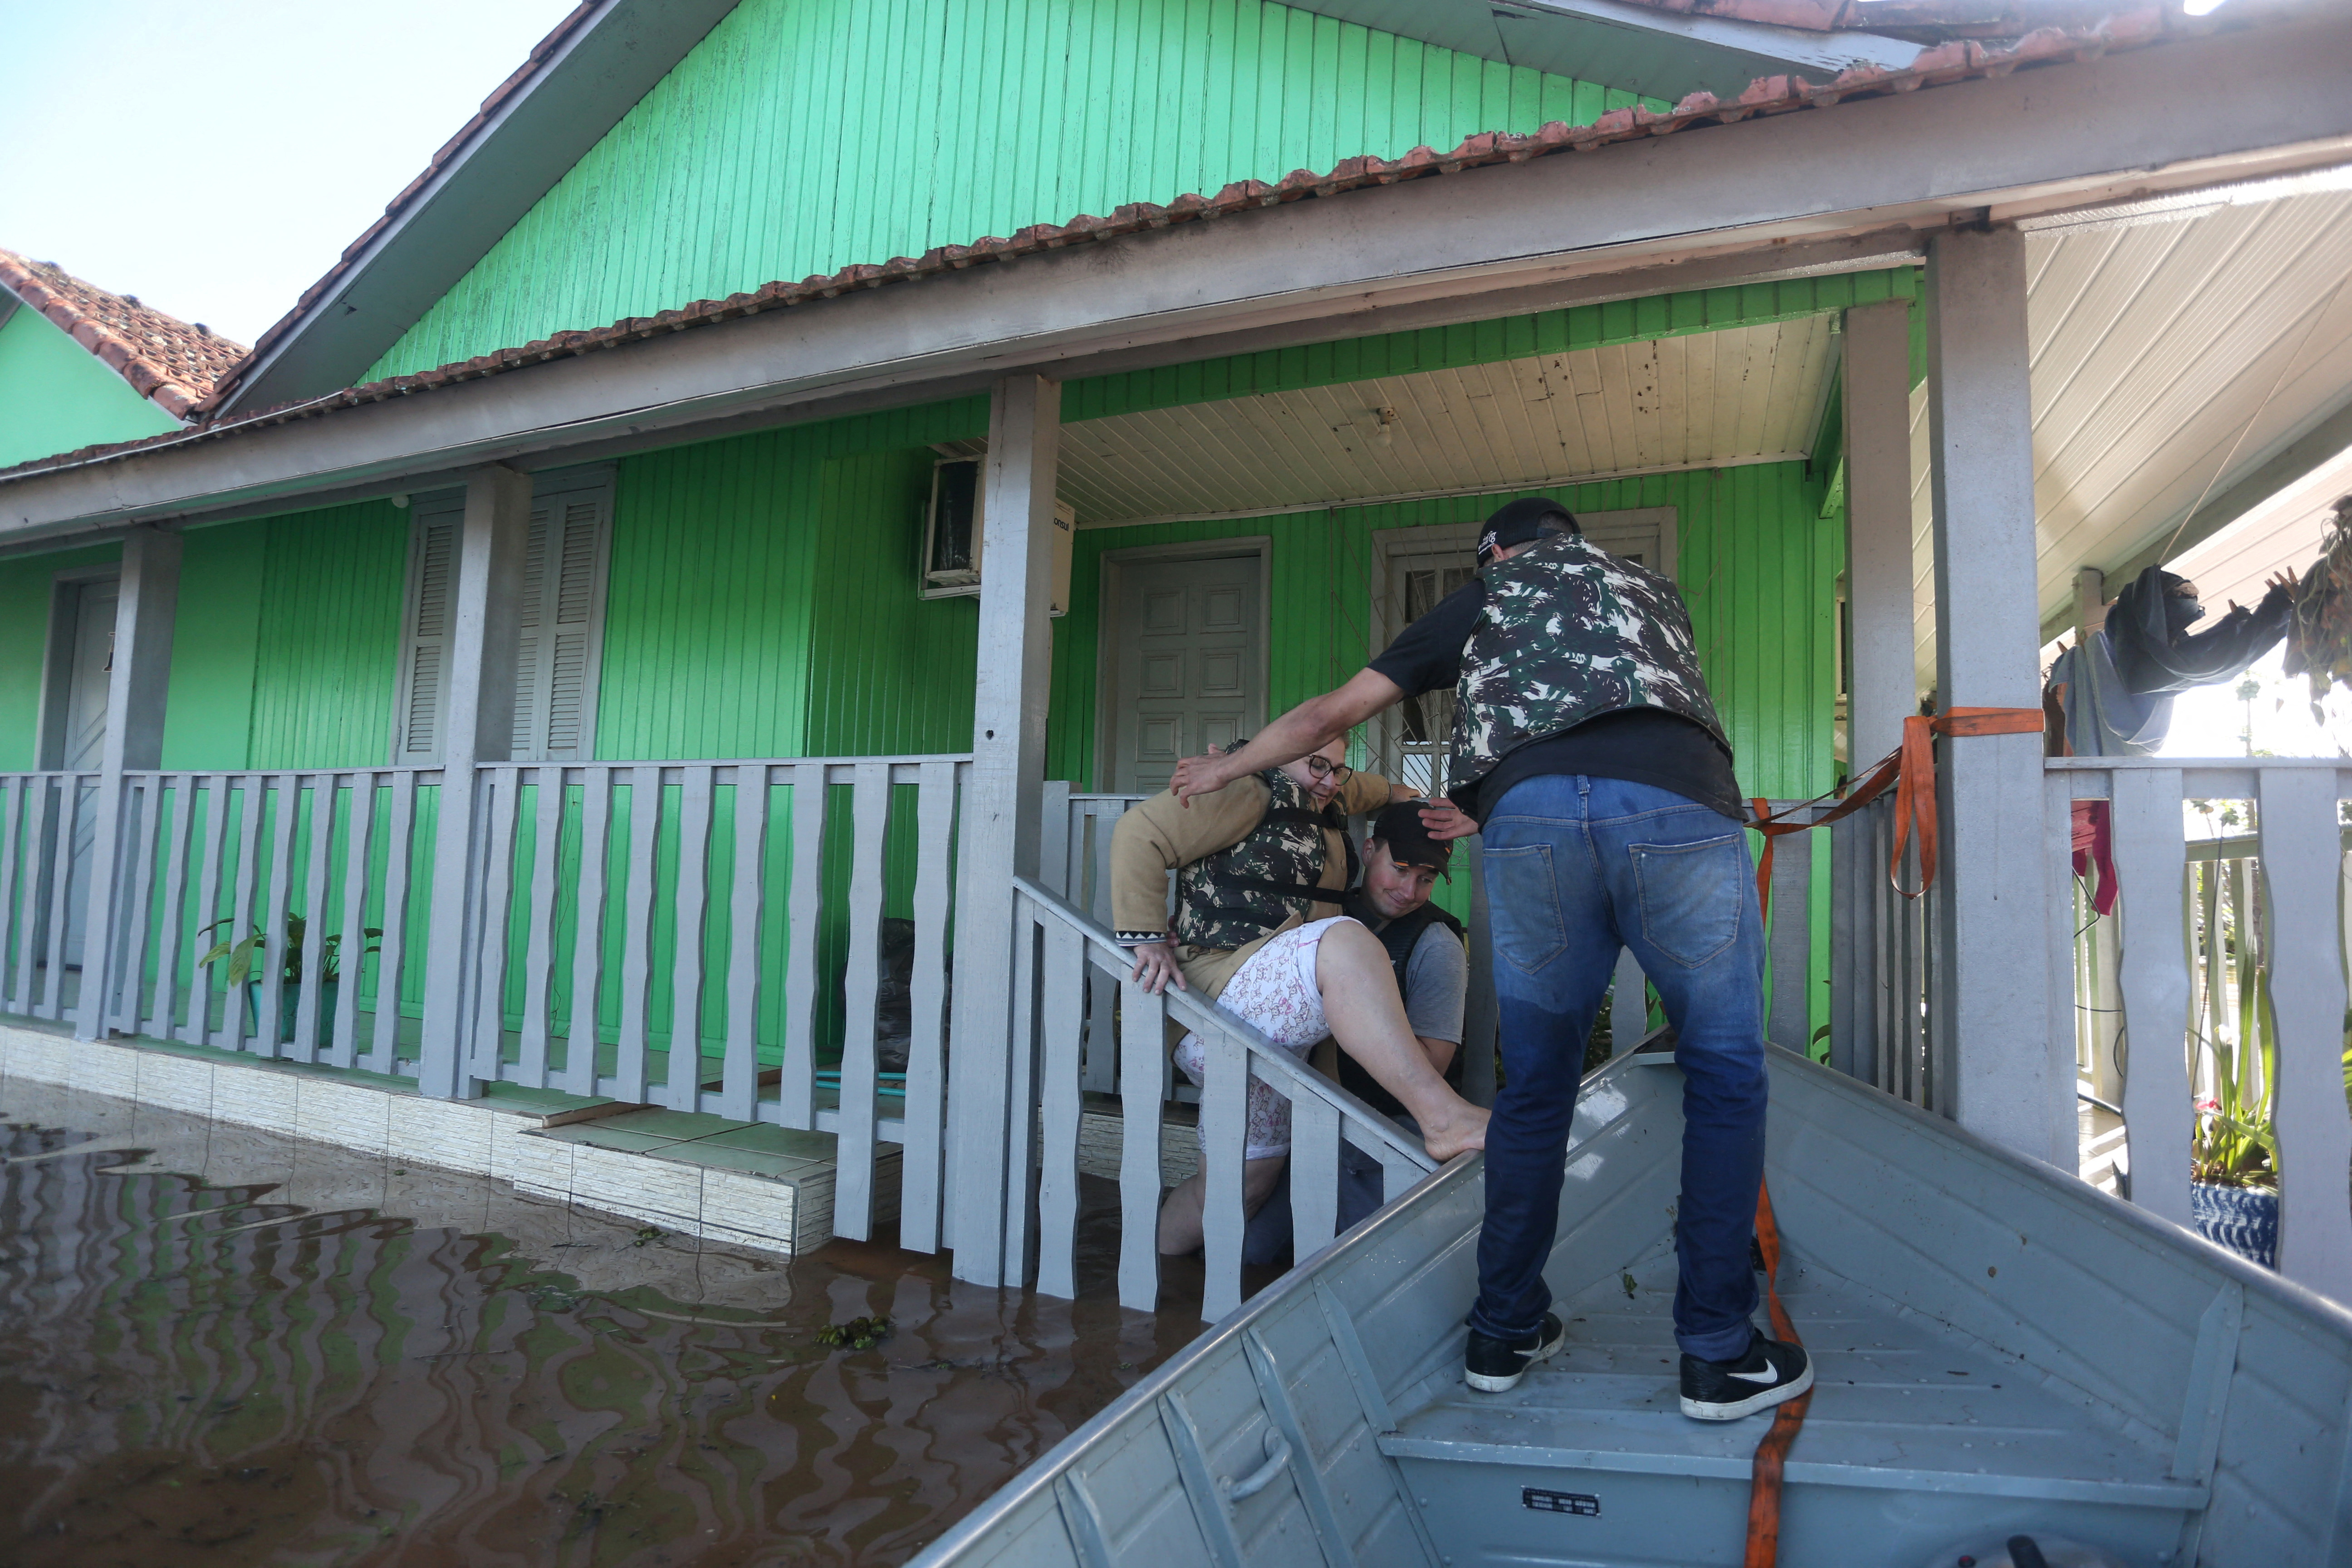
(1619, 43)
(576, 86)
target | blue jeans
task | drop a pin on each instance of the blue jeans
(1575, 867)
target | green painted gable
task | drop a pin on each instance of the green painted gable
(803, 136)
(55, 395)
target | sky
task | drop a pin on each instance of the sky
(2213, 721)
(214, 159)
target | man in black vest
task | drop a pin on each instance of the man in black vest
(1402, 861)
(1587, 743)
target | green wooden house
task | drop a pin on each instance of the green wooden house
(713, 558)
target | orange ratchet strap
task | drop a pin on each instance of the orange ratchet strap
(1772, 1452)
(1911, 769)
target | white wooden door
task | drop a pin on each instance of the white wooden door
(1189, 667)
(85, 741)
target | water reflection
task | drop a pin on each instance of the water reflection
(239, 1348)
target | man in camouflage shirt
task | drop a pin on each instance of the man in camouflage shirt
(1586, 742)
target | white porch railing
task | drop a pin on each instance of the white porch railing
(320, 869)
(2299, 840)
(44, 816)
(1059, 947)
(645, 933)
(655, 933)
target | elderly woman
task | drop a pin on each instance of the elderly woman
(1263, 865)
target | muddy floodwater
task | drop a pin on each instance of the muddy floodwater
(218, 1347)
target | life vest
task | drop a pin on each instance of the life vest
(1399, 936)
(1570, 632)
(1251, 889)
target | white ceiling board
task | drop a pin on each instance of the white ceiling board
(1706, 400)
(2169, 359)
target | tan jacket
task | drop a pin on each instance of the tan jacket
(1159, 836)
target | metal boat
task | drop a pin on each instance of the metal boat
(2003, 1354)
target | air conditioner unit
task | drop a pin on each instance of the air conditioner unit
(952, 536)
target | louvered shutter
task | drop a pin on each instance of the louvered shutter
(562, 608)
(531, 607)
(424, 694)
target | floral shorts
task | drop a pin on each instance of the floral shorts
(1276, 991)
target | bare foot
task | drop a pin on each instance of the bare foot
(1465, 1130)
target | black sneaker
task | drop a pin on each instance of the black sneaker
(1770, 1372)
(1491, 1365)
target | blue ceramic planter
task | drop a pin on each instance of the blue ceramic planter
(2243, 1219)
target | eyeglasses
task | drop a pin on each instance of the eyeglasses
(1324, 768)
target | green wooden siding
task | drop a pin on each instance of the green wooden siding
(55, 395)
(730, 557)
(803, 136)
(215, 635)
(327, 658)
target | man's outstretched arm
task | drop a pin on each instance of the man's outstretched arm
(1290, 737)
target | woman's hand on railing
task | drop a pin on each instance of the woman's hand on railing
(1155, 966)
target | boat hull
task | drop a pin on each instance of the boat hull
(2001, 1349)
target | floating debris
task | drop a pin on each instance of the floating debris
(857, 1335)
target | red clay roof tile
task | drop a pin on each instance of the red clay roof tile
(163, 357)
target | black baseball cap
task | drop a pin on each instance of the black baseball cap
(1517, 521)
(1400, 827)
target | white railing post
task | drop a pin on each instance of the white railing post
(1000, 830)
(137, 680)
(1991, 984)
(478, 726)
(2302, 851)
(2151, 857)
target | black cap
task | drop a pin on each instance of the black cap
(1517, 521)
(1400, 827)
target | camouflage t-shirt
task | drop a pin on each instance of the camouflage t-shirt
(1646, 745)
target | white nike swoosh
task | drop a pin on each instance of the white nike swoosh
(1767, 1375)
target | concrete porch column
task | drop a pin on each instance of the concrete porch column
(987, 1133)
(137, 679)
(1992, 984)
(478, 726)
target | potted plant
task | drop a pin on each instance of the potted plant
(2233, 1195)
(243, 954)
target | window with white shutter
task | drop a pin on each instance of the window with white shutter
(424, 688)
(560, 612)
